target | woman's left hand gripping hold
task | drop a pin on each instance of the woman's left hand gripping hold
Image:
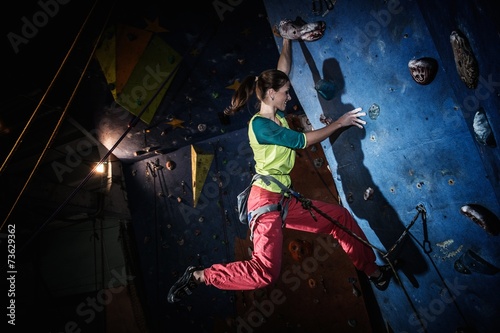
(352, 118)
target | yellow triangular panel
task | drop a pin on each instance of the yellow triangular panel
(159, 62)
(106, 55)
(200, 165)
(130, 44)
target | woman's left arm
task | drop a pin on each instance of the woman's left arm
(348, 119)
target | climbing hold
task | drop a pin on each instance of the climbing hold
(318, 162)
(368, 193)
(200, 165)
(202, 127)
(374, 111)
(423, 70)
(170, 165)
(482, 217)
(325, 88)
(299, 249)
(460, 267)
(470, 262)
(465, 61)
(482, 129)
(300, 30)
(325, 120)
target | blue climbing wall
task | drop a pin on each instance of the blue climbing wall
(418, 152)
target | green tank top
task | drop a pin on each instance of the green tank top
(274, 148)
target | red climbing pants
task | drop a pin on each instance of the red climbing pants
(265, 265)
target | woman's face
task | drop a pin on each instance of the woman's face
(282, 96)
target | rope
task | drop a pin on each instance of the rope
(308, 205)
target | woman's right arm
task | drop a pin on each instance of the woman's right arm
(285, 59)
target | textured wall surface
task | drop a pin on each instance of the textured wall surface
(420, 150)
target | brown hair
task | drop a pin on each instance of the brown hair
(268, 79)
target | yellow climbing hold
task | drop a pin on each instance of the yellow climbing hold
(200, 165)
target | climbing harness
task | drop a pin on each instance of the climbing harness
(249, 217)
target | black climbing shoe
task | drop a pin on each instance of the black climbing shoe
(184, 286)
(382, 281)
